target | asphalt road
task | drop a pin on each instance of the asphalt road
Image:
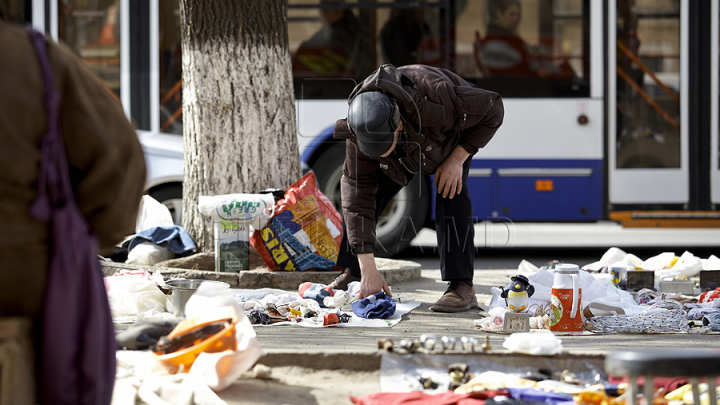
(492, 259)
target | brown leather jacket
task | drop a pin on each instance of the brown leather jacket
(106, 162)
(440, 109)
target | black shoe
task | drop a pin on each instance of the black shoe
(341, 282)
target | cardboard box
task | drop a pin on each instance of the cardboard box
(232, 241)
(686, 287)
(639, 279)
(709, 280)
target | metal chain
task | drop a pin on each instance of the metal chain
(663, 316)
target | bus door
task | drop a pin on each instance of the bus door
(648, 142)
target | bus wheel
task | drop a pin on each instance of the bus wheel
(170, 195)
(401, 220)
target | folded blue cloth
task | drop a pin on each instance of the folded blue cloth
(378, 306)
(713, 321)
(175, 238)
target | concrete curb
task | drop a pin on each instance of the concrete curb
(394, 271)
(371, 360)
(361, 360)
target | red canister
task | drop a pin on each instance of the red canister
(566, 314)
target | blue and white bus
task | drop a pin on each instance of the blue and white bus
(611, 106)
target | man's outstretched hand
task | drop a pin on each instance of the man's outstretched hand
(372, 282)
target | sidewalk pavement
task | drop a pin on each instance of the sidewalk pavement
(408, 280)
(325, 365)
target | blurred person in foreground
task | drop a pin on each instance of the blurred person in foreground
(105, 160)
(402, 122)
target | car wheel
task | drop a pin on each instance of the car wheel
(170, 195)
(401, 220)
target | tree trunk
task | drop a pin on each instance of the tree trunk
(238, 106)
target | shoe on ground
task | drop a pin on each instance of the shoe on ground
(459, 297)
(341, 282)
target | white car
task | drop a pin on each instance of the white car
(164, 164)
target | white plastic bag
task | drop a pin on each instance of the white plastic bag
(537, 343)
(152, 214)
(147, 254)
(249, 209)
(662, 261)
(611, 256)
(133, 296)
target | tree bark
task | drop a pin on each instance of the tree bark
(238, 105)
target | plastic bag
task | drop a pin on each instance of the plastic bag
(134, 296)
(247, 209)
(305, 232)
(148, 254)
(538, 343)
(152, 214)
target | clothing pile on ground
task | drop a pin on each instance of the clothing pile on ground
(316, 305)
(608, 308)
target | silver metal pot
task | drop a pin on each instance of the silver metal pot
(179, 292)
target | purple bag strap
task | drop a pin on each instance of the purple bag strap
(54, 188)
(76, 354)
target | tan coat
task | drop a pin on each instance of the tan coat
(104, 155)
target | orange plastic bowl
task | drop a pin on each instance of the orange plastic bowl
(182, 360)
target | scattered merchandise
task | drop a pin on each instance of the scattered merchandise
(377, 306)
(517, 293)
(304, 233)
(663, 316)
(144, 334)
(621, 293)
(710, 279)
(134, 296)
(709, 296)
(677, 286)
(180, 291)
(566, 299)
(636, 280)
(315, 291)
(712, 320)
(517, 376)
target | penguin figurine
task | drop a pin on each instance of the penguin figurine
(516, 293)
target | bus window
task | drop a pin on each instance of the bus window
(335, 44)
(170, 68)
(409, 33)
(524, 48)
(331, 40)
(91, 29)
(648, 76)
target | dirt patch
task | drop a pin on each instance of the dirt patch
(298, 385)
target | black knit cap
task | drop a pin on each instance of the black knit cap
(370, 120)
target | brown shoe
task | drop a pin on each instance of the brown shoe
(341, 282)
(459, 297)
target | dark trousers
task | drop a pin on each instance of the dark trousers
(453, 224)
